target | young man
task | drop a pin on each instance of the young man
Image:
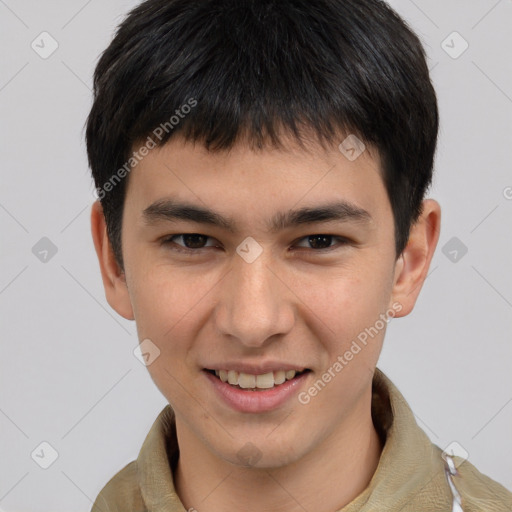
(261, 168)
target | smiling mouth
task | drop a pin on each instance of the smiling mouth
(261, 382)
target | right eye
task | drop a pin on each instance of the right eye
(191, 242)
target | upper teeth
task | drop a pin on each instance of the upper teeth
(248, 381)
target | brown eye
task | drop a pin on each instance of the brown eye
(194, 241)
(320, 241)
(191, 241)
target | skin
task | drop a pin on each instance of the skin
(294, 304)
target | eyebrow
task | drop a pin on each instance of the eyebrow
(340, 211)
(172, 210)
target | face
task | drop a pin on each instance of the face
(245, 265)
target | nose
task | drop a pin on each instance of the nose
(254, 305)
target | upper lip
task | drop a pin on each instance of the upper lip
(256, 369)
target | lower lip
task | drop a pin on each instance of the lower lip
(256, 401)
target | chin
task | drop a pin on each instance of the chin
(261, 453)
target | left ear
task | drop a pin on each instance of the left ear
(412, 266)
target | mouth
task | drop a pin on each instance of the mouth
(262, 382)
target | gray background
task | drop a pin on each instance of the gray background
(68, 373)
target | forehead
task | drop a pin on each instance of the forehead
(249, 180)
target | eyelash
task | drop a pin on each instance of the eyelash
(180, 248)
(169, 241)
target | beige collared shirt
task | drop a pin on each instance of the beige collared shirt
(410, 476)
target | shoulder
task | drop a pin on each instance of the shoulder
(121, 493)
(478, 492)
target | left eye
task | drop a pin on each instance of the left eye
(192, 241)
(320, 241)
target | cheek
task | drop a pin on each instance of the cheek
(169, 311)
(346, 304)
(163, 298)
(171, 308)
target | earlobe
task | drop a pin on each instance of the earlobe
(411, 268)
(114, 279)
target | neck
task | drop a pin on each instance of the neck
(327, 478)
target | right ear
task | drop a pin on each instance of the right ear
(114, 279)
